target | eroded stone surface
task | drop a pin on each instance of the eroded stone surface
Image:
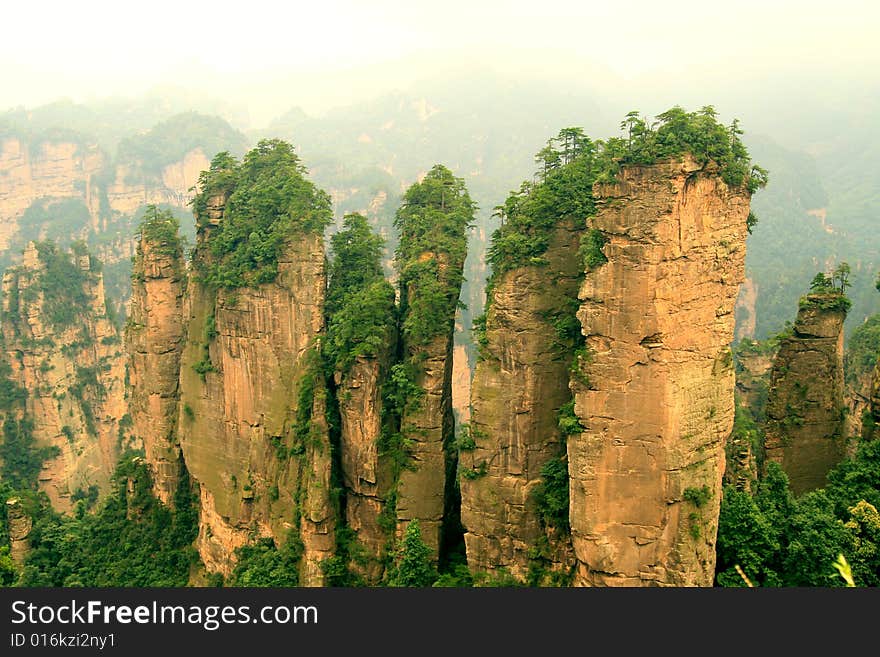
(658, 319)
(805, 419)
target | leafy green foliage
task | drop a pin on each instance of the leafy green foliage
(432, 221)
(828, 292)
(528, 215)
(592, 243)
(571, 163)
(269, 202)
(568, 421)
(551, 495)
(360, 302)
(162, 229)
(62, 285)
(264, 564)
(412, 565)
(782, 541)
(132, 540)
(22, 458)
(862, 350)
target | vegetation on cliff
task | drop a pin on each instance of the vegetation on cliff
(828, 291)
(360, 303)
(61, 282)
(432, 221)
(162, 229)
(131, 540)
(269, 203)
(572, 162)
(862, 350)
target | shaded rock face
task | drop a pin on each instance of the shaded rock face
(154, 341)
(518, 389)
(366, 475)
(74, 374)
(424, 489)
(860, 398)
(18, 525)
(874, 401)
(804, 409)
(258, 475)
(753, 369)
(659, 404)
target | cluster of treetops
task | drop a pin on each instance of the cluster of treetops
(131, 539)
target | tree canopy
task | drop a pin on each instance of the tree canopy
(432, 221)
(268, 202)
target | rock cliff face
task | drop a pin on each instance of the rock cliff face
(56, 170)
(655, 390)
(252, 423)
(519, 386)
(67, 354)
(130, 191)
(65, 170)
(367, 476)
(154, 341)
(423, 492)
(805, 424)
(19, 525)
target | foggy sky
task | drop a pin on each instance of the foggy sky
(268, 56)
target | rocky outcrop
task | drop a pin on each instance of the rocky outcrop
(424, 488)
(154, 341)
(64, 350)
(519, 385)
(18, 526)
(252, 425)
(49, 171)
(367, 475)
(655, 389)
(805, 418)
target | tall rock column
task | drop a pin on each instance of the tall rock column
(432, 222)
(520, 383)
(252, 396)
(361, 346)
(805, 418)
(154, 341)
(655, 388)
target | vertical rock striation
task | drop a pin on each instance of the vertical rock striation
(19, 526)
(805, 418)
(154, 341)
(367, 474)
(66, 352)
(238, 418)
(253, 400)
(519, 385)
(655, 390)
